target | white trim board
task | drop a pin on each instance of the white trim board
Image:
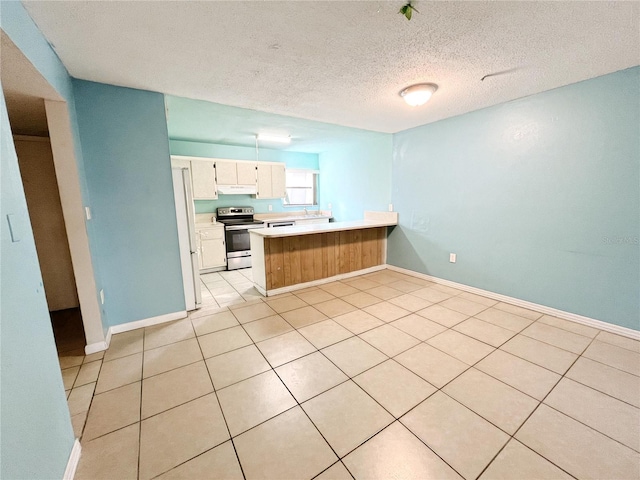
(314, 283)
(73, 211)
(96, 347)
(125, 327)
(99, 346)
(72, 463)
(572, 317)
(146, 322)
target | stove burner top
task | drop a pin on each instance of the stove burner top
(234, 218)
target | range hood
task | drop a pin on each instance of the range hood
(237, 189)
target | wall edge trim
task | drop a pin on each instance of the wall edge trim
(108, 339)
(74, 459)
(572, 317)
(146, 322)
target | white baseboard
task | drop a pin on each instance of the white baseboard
(315, 283)
(146, 322)
(96, 347)
(72, 463)
(573, 317)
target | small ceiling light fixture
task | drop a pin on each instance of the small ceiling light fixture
(267, 137)
(418, 94)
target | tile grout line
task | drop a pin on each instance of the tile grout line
(535, 410)
(294, 399)
(351, 378)
(333, 465)
(215, 392)
(305, 412)
(473, 411)
(395, 419)
(587, 386)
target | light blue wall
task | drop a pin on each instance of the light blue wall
(354, 164)
(35, 427)
(538, 197)
(234, 152)
(17, 24)
(36, 436)
(126, 152)
(356, 175)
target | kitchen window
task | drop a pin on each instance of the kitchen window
(301, 188)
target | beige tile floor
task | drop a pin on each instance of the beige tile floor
(379, 376)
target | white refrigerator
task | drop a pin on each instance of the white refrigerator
(185, 215)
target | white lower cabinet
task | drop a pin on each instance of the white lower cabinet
(211, 247)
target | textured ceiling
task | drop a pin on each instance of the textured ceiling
(342, 62)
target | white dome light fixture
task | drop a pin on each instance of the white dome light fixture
(418, 94)
(268, 137)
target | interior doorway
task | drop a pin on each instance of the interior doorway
(41, 114)
(35, 159)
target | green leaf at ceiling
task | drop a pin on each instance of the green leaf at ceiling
(407, 10)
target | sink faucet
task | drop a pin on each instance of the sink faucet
(305, 211)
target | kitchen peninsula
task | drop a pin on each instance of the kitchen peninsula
(288, 258)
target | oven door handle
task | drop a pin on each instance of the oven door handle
(242, 227)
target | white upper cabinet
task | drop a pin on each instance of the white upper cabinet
(226, 173)
(278, 181)
(203, 180)
(211, 177)
(264, 181)
(271, 180)
(230, 172)
(246, 173)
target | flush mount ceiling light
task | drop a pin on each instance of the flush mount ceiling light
(418, 94)
(266, 137)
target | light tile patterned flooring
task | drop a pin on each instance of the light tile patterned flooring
(379, 376)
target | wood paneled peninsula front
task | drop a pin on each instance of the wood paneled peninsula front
(287, 258)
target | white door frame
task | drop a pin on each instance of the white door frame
(65, 163)
(20, 76)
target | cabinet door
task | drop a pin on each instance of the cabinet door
(226, 173)
(246, 173)
(278, 181)
(203, 180)
(212, 247)
(264, 181)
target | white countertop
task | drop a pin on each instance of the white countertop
(322, 228)
(291, 218)
(201, 225)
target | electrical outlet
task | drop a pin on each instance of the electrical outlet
(329, 206)
(87, 211)
(102, 297)
(452, 257)
(391, 207)
(270, 208)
